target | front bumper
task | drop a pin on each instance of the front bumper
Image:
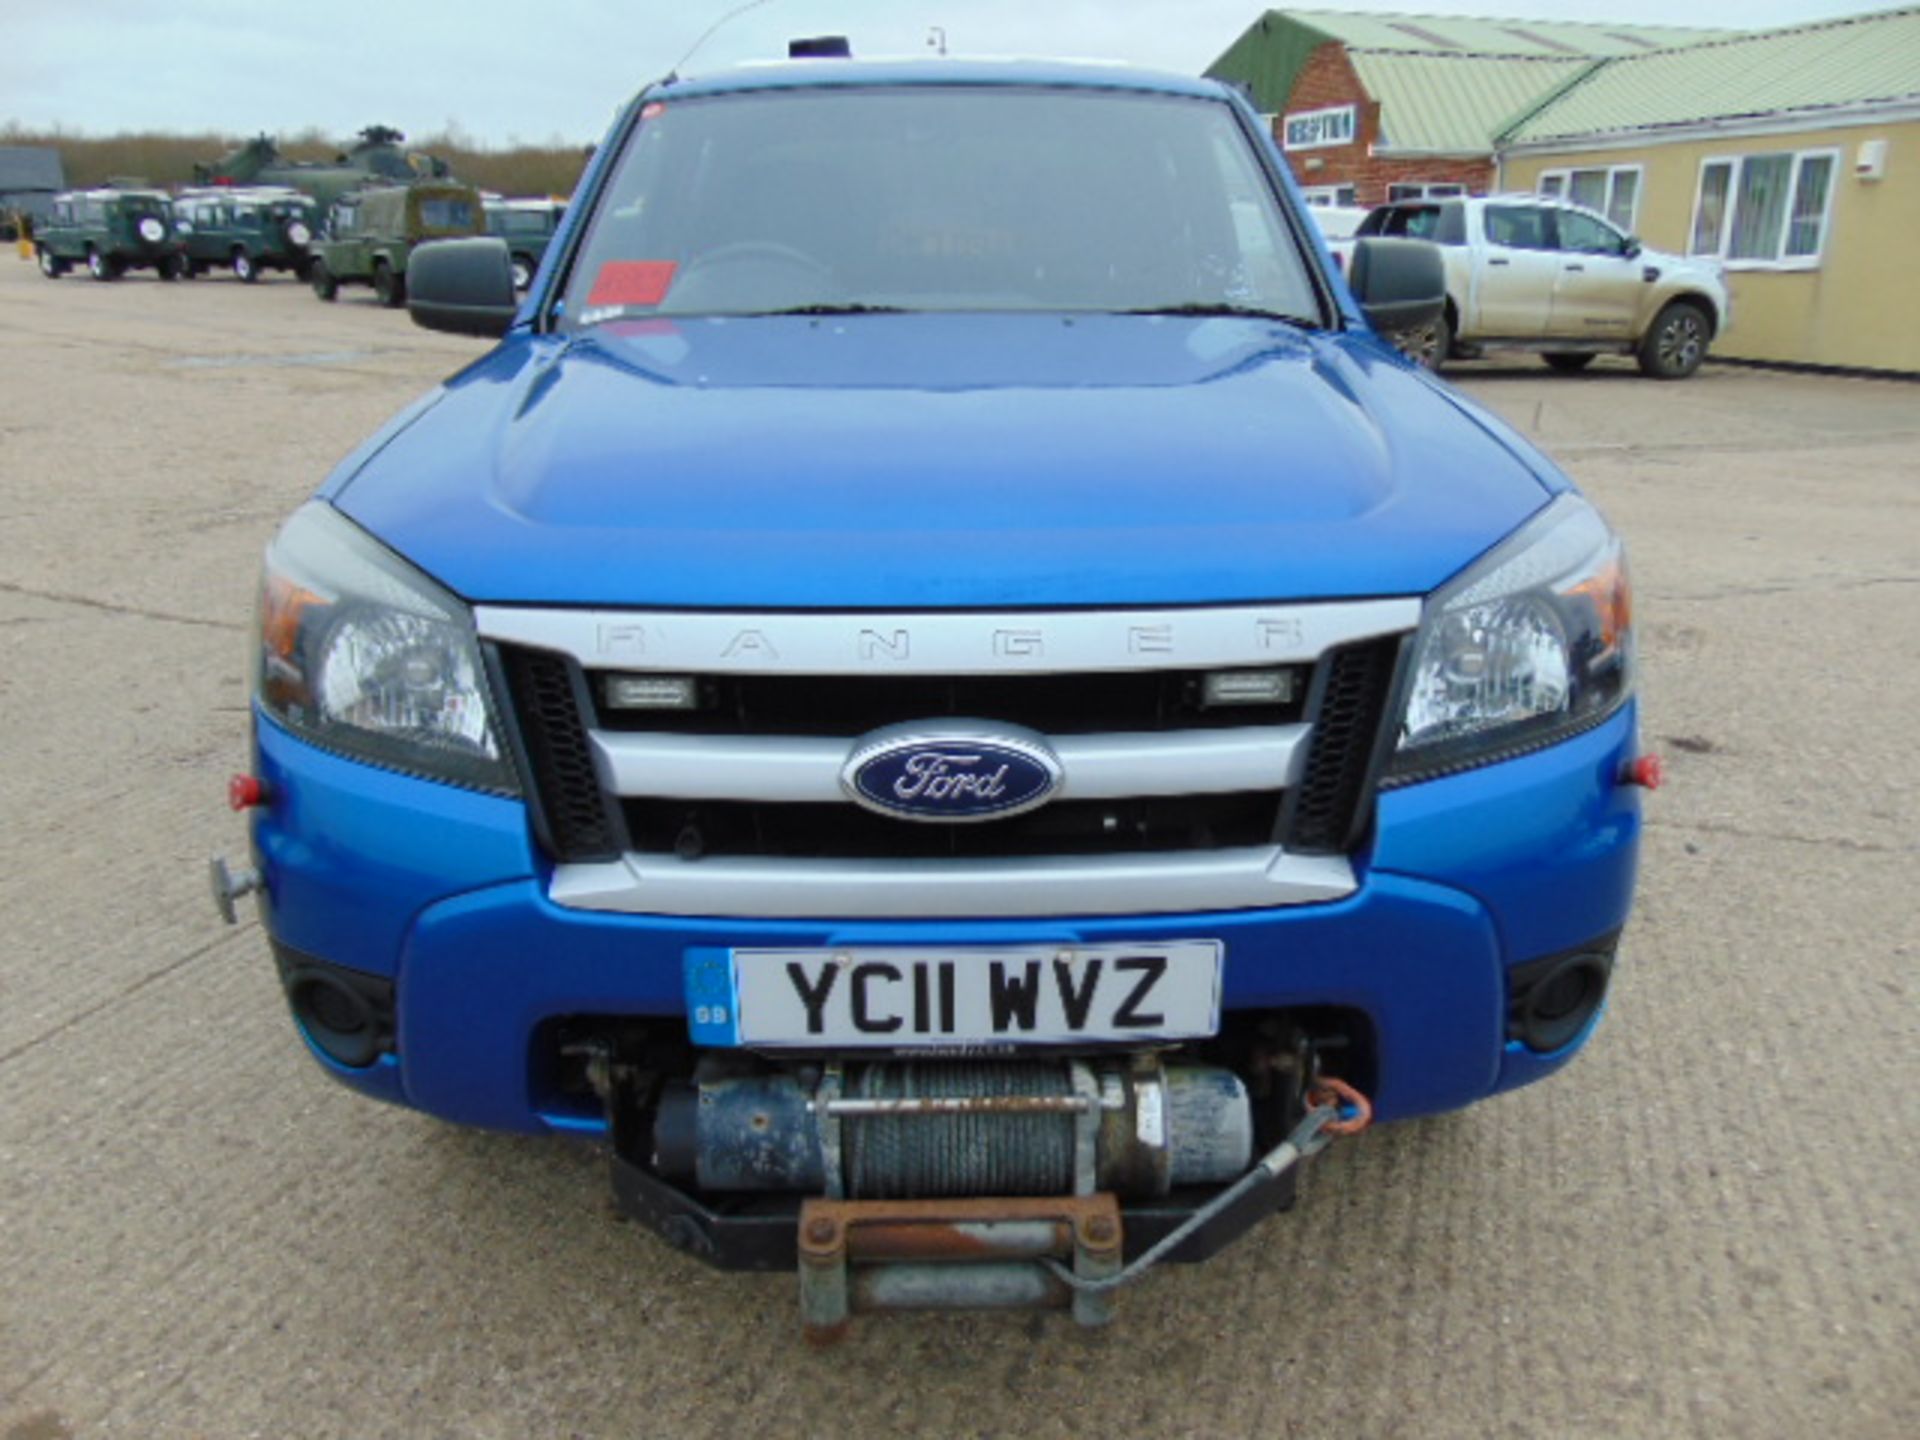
(443, 892)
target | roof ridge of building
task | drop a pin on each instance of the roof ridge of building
(1291, 11)
(1549, 97)
(1748, 37)
(1477, 54)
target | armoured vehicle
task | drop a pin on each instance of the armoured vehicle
(247, 230)
(110, 232)
(527, 226)
(944, 692)
(371, 235)
(377, 155)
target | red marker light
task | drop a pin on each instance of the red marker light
(1648, 772)
(244, 792)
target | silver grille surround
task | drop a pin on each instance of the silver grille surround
(800, 769)
(805, 769)
(1052, 885)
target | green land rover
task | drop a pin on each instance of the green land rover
(528, 227)
(371, 234)
(110, 232)
(247, 230)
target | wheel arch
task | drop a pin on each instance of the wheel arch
(1701, 299)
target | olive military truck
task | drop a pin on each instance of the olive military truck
(371, 234)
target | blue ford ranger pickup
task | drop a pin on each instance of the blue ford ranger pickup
(943, 690)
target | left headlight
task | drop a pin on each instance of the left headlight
(1532, 644)
(361, 653)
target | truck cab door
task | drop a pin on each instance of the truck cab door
(1516, 273)
(1598, 290)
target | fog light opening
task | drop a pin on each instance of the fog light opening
(337, 1019)
(1556, 1004)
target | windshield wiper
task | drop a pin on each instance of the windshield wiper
(852, 307)
(1221, 307)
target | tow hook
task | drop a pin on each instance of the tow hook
(229, 887)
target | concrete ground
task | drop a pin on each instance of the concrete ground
(1706, 1227)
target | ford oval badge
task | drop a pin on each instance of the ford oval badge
(951, 772)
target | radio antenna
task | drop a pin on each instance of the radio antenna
(708, 33)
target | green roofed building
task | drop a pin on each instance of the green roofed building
(1372, 107)
(1791, 155)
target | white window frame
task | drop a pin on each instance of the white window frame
(1426, 190)
(1613, 172)
(1781, 260)
(1324, 195)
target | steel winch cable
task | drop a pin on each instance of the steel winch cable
(959, 1152)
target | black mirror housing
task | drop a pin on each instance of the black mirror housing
(1400, 284)
(462, 286)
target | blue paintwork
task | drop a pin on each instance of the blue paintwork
(352, 853)
(441, 888)
(908, 461)
(928, 461)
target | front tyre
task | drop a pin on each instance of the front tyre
(50, 266)
(244, 268)
(1429, 345)
(389, 288)
(321, 278)
(1676, 342)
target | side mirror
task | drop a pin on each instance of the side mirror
(1400, 284)
(1634, 247)
(462, 286)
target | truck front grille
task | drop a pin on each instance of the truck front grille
(737, 806)
(1124, 702)
(697, 829)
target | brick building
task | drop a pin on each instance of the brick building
(1376, 107)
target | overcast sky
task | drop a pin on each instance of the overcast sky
(534, 70)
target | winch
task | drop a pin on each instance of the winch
(902, 1130)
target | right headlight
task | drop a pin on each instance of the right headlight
(362, 654)
(1532, 644)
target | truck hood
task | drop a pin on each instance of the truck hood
(942, 461)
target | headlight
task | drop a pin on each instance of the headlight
(1532, 644)
(361, 653)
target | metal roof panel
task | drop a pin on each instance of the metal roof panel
(1802, 68)
(1456, 104)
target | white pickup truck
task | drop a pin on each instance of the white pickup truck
(1526, 272)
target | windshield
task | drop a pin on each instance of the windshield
(446, 214)
(983, 198)
(520, 222)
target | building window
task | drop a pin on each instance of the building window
(1765, 211)
(1424, 190)
(1613, 190)
(1330, 195)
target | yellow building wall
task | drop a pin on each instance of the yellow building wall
(1861, 307)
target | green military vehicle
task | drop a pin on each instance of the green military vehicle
(376, 158)
(110, 231)
(527, 226)
(371, 234)
(247, 230)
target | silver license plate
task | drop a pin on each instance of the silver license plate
(966, 996)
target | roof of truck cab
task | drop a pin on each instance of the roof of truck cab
(847, 74)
